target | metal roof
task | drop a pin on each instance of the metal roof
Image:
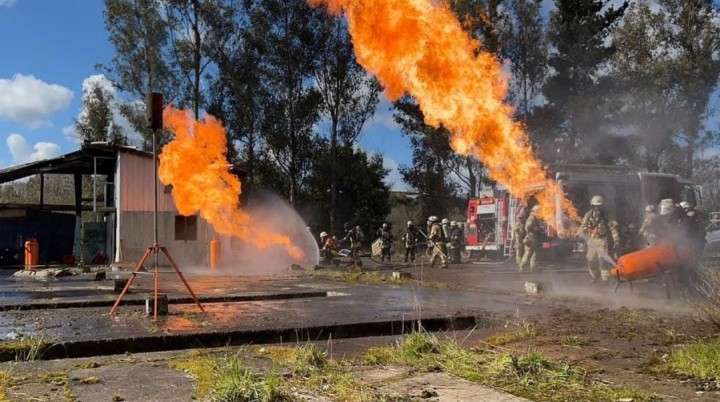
(82, 161)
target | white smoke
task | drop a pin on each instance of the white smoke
(275, 215)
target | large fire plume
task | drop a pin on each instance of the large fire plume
(419, 47)
(194, 164)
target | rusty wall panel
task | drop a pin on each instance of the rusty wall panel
(136, 185)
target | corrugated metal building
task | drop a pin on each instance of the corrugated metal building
(126, 206)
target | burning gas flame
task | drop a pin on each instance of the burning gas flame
(419, 47)
(194, 164)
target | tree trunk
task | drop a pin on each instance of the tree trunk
(333, 175)
(472, 179)
(197, 60)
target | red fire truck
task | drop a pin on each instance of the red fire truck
(491, 216)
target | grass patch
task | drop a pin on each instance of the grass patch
(699, 361)
(528, 374)
(356, 276)
(224, 377)
(572, 340)
(505, 338)
(5, 379)
(29, 348)
(312, 371)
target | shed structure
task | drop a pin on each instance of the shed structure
(121, 227)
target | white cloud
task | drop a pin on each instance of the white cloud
(7, 3)
(22, 152)
(383, 118)
(30, 101)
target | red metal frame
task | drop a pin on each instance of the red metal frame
(155, 249)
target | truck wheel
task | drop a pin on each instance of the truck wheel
(465, 254)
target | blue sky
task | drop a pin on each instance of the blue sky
(50, 48)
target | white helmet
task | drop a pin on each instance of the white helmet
(433, 218)
(453, 223)
(445, 221)
(409, 223)
(667, 206)
(323, 234)
(650, 208)
(384, 226)
(597, 201)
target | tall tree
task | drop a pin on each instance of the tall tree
(237, 92)
(436, 171)
(648, 102)
(577, 92)
(527, 50)
(199, 30)
(289, 31)
(139, 33)
(349, 96)
(485, 20)
(693, 33)
(363, 197)
(96, 121)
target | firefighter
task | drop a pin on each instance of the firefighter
(687, 224)
(445, 226)
(596, 228)
(328, 247)
(437, 237)
(519, 233)
(355, 237)
(386, 239)
(534, 228)
(649, 228)
(410, 239)
(455, 242)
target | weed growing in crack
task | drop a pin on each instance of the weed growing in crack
(529, 374)
(699, 361)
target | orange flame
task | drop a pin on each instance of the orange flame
(194, 164)
(419, 47)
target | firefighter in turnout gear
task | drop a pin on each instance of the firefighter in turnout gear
(328, 247)
(410, 239)
(519, 234)
(534, 229)
(437, 236)
(386, 239)
(355, 237)
(596, 228)
(456, 242)
(649, 228)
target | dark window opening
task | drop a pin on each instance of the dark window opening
(186, 228)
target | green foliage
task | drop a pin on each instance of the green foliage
(527, 374)
(225, 378)
(578, 91)
(433, 162)
(97, 123)
(363, 197)
(699, 361)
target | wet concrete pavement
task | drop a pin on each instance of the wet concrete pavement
(272, 308)
(279, 308)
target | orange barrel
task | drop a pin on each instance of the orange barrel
(32, 251)
(214, 253)
(649, 261)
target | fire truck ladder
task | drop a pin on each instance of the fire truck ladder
(510, 238)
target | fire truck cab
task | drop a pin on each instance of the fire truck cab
(490, 217)
(488, 223)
